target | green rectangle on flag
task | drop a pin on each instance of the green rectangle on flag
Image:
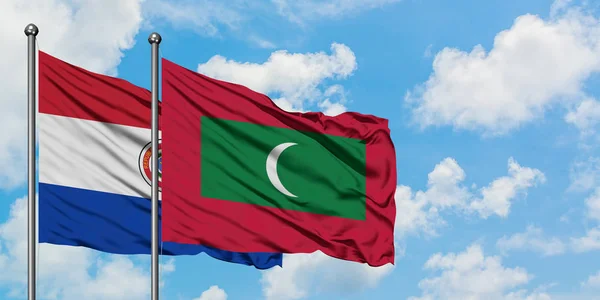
(283, 168)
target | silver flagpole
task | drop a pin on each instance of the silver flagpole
(31, 32)
(154, 41)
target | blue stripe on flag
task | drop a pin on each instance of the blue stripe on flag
(117, 224)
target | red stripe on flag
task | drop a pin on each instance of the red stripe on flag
(192, 219)
(70, 91)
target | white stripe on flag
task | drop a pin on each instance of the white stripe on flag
(92, 155)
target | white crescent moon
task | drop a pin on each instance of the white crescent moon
(272, 168)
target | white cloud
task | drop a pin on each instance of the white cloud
(443, 185)
(331, 109)
(69, 30)
(213, 293)
(472, 275)
(237, 17)
(427, 53)
(333, 104)
(168, 266)
(592, 282)
(202, 16)
(420, 211)
(261, 42)
(589, 242)
(496, 197)
(301, 11)
(559, 6)
(592, 204)
(317, 272)
(585, 117)
(212, 17)
(585, 175)
(533, 65)
(524, 295)
(415, 214)
(68, 272)
(297, 89)
(532, 239)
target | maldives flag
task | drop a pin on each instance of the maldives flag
(240, 174)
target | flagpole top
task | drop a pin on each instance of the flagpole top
(154, 38)
(31, 29)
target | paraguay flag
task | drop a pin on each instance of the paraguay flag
(94, 166)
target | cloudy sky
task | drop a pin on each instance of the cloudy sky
(494, 111)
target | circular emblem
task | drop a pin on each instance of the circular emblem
(145, 163)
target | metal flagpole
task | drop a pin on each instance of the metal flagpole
(154, 39)
(31, 32)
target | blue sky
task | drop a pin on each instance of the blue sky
(493, 109)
